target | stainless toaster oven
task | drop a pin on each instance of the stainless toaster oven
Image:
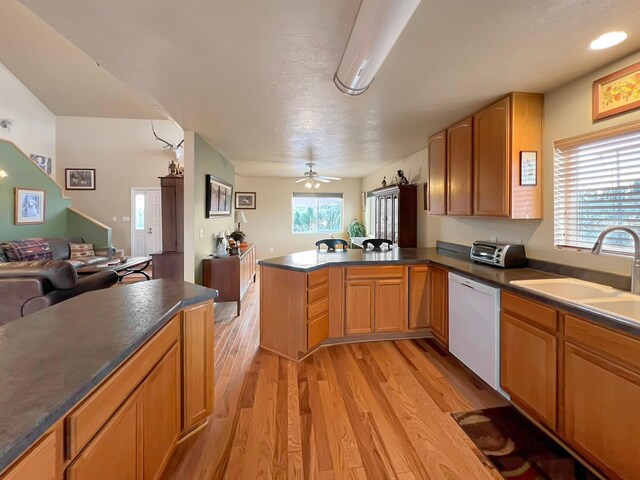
(503, 255)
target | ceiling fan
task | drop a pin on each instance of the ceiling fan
(313, 179)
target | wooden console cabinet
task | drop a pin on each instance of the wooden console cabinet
(231, 276)
(129, 425)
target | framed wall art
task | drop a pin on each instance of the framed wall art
(29, 206)
(529, 169)
(45, 163)
(80, 178)
(617, 93)
(219, 194)
(246, 200)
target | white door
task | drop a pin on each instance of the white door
(146, 221)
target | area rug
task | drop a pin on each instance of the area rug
(517, 448)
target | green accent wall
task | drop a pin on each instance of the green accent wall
(22, 172)
(208, 161)
(87, 228)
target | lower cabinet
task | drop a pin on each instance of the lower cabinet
(359, 307)
(116, 451)
(197, 358)
(41, 462)
(418, 296)
(438, 303)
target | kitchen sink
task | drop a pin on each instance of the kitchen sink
(570, 289)
(628, 308)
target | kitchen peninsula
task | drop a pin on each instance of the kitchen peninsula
(104, 385)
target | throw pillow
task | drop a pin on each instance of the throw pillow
(27, 250)
(81, 250)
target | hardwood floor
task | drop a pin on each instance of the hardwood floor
(370, 410)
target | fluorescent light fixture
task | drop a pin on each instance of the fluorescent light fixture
(608, 39)
(378, 25)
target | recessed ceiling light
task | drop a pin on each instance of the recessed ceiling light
(608, 39)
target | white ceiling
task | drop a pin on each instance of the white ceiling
(63, 77)
(254, 77)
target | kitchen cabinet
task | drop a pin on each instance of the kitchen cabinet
(438, 303)
(375, 300)
(396, 214)
(317, 307)
(529, 356)
(40, 462)
(418, 296)
(501, 132)
(459, 169)
(197, 359)
(161, 413)
(437, 172)
(601, 372)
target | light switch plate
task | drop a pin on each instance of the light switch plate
(125, 219)
(115, 219)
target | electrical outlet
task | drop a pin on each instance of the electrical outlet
(115, 219)
(270, 249)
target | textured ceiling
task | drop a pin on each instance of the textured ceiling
(254, 77)
(63, 77)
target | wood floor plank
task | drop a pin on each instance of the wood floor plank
(367, 411)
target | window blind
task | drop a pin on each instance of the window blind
(597, 185)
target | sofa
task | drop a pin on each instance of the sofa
(26, 287)
(55, 248)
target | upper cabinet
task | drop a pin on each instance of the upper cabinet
(481, 173)
(459, 168)
(436, 187)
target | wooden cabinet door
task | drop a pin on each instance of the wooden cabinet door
(460, 168)
(418, 297)
(197, 361)
(116, 451)
(389, 306)
(601, 421)
(438, 303)
(436, 188)
(161, 413)
(359, 306)
(491, 185)
(39, 463)
(528, 364)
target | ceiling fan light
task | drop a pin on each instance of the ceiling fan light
(378, 25)
(317, 185)
(308, 184)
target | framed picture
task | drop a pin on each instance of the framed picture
(219, 194)
(29, 206)
(45, 163)
(80, 178)
(246, 200)
(528, 168)
(617, 93)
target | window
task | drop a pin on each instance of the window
(597, 185)
(317, 213)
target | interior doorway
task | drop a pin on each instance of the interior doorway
(146, 221)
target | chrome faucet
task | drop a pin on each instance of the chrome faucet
(635, 272)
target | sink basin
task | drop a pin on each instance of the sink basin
(569, 289)
(623, 307)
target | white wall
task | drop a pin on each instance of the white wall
(567, 114)
(415, 169)
(125, 155)
(34, 126)
(269, 225)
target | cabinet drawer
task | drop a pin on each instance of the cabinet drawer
(317, 277)
(544, 317)
(318, 330)
(39, 462)
(83, 423)
(367, 273)
(317, 293)
(603, 339)
(318, 308)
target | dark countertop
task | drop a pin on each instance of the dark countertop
(51, 359)
(497, 277)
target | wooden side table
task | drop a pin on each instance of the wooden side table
(231, 276)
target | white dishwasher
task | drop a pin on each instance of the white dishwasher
(474, 327)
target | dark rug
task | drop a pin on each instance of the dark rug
(517, 448)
